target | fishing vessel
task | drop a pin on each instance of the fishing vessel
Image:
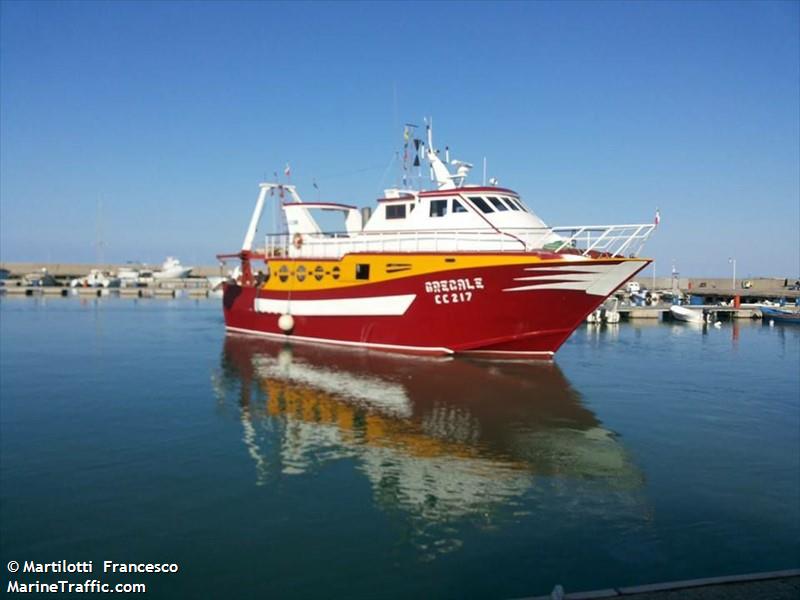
(458, 268)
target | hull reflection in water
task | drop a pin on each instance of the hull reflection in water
(439, 438)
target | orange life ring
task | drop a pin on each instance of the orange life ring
(297, 241)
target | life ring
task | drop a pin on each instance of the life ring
(297, 241)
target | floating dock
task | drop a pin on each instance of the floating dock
(659, 312)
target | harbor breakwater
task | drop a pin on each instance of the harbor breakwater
(711, 289)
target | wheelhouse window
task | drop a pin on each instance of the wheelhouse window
(481, 204)
(510, 203)
(498, 204)
(438, 208)
(520, 204)
(458, 207)
(395, 211)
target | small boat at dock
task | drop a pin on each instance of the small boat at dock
(687, 315)
(779, 315)
(143, 275)
(40, 279)
(96, 279)
(172, 269)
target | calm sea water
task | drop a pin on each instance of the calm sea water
(135, 430)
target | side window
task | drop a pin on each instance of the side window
(395, 211)
(458, 207)
(481, 204)
(438, 208)
(510, 203)
(362, 271)
(497, 204)
(411, 207)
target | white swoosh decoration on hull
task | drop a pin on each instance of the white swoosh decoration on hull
(596, 280)
(375, 306)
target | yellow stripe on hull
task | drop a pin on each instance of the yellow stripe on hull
(317, 275)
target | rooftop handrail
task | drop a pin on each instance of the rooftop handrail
(612, 240)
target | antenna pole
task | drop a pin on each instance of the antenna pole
(99, 253)
(484, 171)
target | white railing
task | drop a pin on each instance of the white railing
(617, 240)
(586, 240)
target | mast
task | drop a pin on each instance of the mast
(440, 173)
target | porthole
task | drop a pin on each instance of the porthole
(319, 272)
(335, 272)
(301, 273)
(283, 273)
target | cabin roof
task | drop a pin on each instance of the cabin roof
(469, 190)
(402, 198)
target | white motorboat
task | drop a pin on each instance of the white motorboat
(128, 276)
(172, 269)
(681, 313)
(215, 285)
(96, 279)
(612, 311)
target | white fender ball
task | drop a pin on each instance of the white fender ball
(286, 323)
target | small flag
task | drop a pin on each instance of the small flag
(316, 187)
(405, 134)
(288, 170)
(658, 217)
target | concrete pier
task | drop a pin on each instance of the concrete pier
(89, 292)
(711, 288)
(775, 585)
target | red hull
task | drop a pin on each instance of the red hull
(532, 323)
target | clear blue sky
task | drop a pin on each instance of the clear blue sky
(169, 114)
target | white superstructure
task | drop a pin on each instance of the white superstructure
(453, 217)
